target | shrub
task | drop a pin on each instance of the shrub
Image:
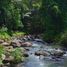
(61, 39)
(18, 55)
(2, 52)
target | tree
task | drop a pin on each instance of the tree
(10, 13)
(52, 19)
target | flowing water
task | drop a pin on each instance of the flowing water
(43, 61)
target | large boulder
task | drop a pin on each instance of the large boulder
(44, 53)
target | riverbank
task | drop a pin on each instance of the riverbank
(14, 49)
(8, 53)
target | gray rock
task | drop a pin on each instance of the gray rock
(44, 53)
(58, 53)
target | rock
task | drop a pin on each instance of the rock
(1, 41)
(38, 40)
(8, 59)
(58, 53)
(6, 65)
(3, 57)
(15, 43)
(25, 55)
(26, 44)
(44, 53)
(5, 44)
(38, 53)
(9, 48)
(27, 49)
(25, 38)
(30, 37)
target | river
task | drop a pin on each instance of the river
(42, 61)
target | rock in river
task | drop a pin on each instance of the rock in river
(58, 53)
(25, 55)
(44, 53)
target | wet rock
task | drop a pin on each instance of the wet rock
(25, 55)
(58, 53)
(38, 53)
(39, 40)
(65, 55)
(27, 49)
(26, 44)
(44, 53)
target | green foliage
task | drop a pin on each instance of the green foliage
(18, 34)
(32, 22)
(14, 17)
(52, 18)
(4, 34)
(2, 51)
(10, 14)
(63, 39)
(47, 16)
(37, 4)
(26, 5)
(18, 55)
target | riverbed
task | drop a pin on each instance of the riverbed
(42, 61)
